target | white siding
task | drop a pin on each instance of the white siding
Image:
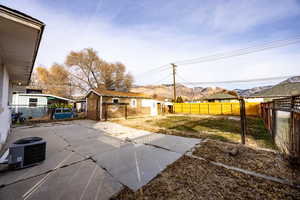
(23, 100)
(152, 104)
(5, 113)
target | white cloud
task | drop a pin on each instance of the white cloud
(145, 46)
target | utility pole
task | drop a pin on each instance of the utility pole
(174, 81)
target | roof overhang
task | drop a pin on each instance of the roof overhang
(45, 95)
(20, 37)
(117, 96)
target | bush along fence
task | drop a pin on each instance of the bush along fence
(282, 119)
(252, 109)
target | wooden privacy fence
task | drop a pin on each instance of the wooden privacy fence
(252, 109)
(282, 119)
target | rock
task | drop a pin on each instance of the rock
(234, 151)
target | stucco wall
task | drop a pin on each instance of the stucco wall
(5, 118)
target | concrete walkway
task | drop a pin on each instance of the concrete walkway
(91, 160)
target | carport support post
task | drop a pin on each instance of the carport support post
(105, 111)
(125, 111)
(101, 104)
(243, 120)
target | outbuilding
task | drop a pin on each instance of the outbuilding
(103, 104)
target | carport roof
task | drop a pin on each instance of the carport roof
(20, 37)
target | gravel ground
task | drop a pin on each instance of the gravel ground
(190, 178)
(261, 161)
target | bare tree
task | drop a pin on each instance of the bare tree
(89, 71)
(55, 81)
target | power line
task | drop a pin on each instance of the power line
(225, 55)
(240, 52)
(180, 77)
(239, 81)
(159, 69)
(160, 80)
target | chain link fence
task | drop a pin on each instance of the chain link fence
(282, 119)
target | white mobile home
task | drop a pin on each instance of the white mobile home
(20, 36)
(35, 105)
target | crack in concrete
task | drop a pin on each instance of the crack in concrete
(46, 172)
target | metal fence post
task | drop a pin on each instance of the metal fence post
(243, 120)
(221, 108)
(273, 125)
(291, 133)
(208, 108)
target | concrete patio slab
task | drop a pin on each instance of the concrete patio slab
(62, 158)
(135, 165)
(114, 129)
(71, 147)
(75, 133)
(170, 142)
(92, 146)
(54, 143)
(83, 180)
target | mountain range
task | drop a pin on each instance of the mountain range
(290, 86)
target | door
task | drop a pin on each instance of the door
(158, 108)
(93, 107)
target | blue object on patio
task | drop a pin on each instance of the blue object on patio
(63, 113)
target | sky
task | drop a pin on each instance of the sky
(145, 34)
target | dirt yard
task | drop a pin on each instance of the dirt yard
(264, 162)
(190, 178)
(213, 127)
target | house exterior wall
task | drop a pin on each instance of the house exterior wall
(135, 107)
(5, 114)
(152, 104)
(93, 106)
(20, 103)
(23, 100)
(115, 111)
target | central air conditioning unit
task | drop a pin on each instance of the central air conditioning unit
(26, 152)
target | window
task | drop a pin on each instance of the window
(33, 102)
(57, 110)
(133, 103)
(115, 100)
(67, 110)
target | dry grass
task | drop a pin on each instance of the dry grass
(265, 162)
(190, 178)
(213, 127)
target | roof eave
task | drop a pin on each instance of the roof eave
(117, 96)
(37, 24)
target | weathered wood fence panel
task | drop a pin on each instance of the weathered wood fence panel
(252, 109)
